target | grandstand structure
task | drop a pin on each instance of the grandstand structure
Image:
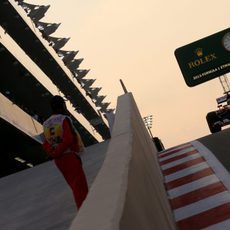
(35, 66)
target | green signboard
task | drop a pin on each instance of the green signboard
(205, 59)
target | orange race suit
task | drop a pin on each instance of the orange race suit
(63, 144)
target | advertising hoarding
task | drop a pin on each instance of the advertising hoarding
(205, 59)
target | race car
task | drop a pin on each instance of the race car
(221, 117)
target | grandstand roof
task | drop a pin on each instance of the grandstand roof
(18, 84)
(19, 30)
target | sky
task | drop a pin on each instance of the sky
(135, 40)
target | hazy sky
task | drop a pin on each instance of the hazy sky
(135, 40)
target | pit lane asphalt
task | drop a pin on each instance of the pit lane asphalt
(219, 145)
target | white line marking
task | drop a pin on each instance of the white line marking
(224, 225)
(180, 161)
(186, 172)
(189, 187)
(177, 154)
(202, 206)
(175, 148)
(217, 167)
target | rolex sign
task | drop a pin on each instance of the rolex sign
(205, 59)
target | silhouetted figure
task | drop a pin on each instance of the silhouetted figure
(63, 144)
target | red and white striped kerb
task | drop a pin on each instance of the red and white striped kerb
(197, 194)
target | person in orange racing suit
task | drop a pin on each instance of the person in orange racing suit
(63, 144)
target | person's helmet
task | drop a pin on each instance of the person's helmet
(58, 105)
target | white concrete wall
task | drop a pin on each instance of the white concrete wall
(128, 192)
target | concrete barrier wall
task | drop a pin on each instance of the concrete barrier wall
(128, 192)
